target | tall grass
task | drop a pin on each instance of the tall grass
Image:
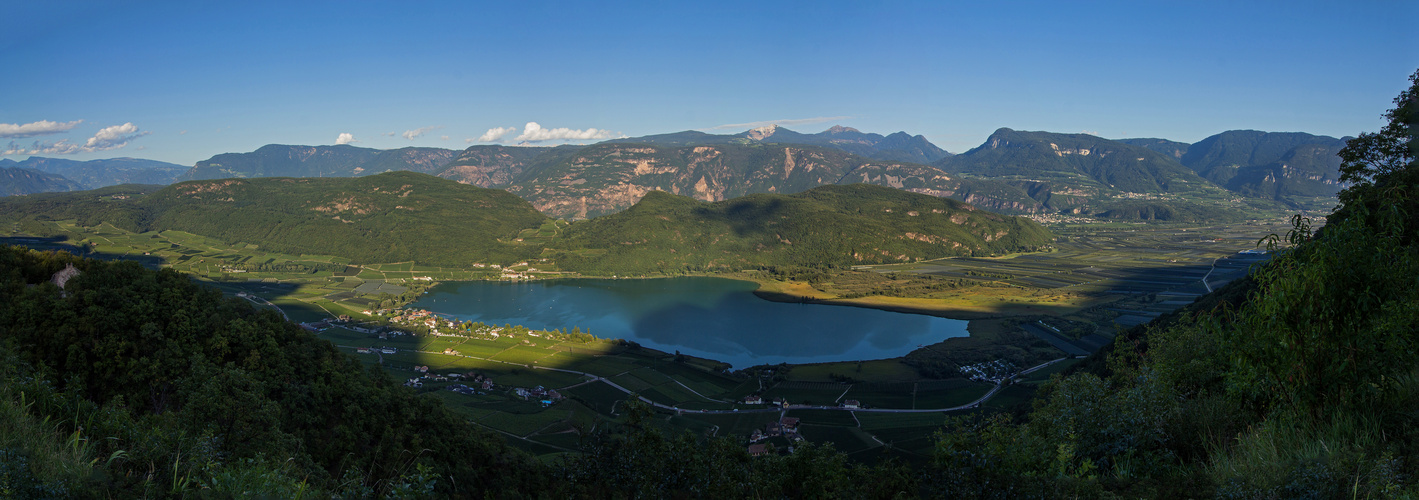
(36, 450)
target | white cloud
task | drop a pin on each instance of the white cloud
(345, 138)
(113, 137)
(443, 138)
(784, 123)
(42, 127)
(494, 134)
(182, 133)
(40, 148)
(411, 134)
(535, 133)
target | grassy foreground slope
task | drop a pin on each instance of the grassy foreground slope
(825, 226)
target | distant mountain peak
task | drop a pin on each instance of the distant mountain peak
(764, 132)
(839, 129)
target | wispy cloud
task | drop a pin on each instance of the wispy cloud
(443, 138)
(42, 127)
(113, 137)
(411, 134)
(494, 134)
(345, 138)
(785, 123)
(534, 132)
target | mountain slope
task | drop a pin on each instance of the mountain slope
(495, 166)
(277, 160)
(608, 177)
(1285, 166)
(824, 226)
(93, 174)
(1171, 149)
(18, 181)
(390, 217)
(899, 147)
(1080, 173)
(1080, 157)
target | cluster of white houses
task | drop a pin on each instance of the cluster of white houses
(990, 370)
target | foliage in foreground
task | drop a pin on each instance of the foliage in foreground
(157, 385)
(1308, 388)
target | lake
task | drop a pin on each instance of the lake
(712, 318)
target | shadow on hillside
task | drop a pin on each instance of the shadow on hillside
(264, 290)
(60, 244)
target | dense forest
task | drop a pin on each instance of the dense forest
(824, 227)
(1299, 382)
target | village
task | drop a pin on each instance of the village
(408, 322)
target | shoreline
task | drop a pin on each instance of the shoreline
(776, 291)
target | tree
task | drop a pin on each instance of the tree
(1375, 155)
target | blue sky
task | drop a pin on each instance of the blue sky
(183, 81)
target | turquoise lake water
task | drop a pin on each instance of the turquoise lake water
(713, 318)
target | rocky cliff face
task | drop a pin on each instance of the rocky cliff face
(607, 178)
(491, 166)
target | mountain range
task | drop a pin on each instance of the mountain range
(93, 174)
(898, 147)
(18, 181)
(408, 216)
(1230, 174)
(276, 160)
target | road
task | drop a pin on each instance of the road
(260, 301)
(999, 384)
(1209, 274)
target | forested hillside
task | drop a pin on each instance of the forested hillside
(1289, 167)
(392, 217)
(163, 387)
(828, 226)
(1086, 174)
